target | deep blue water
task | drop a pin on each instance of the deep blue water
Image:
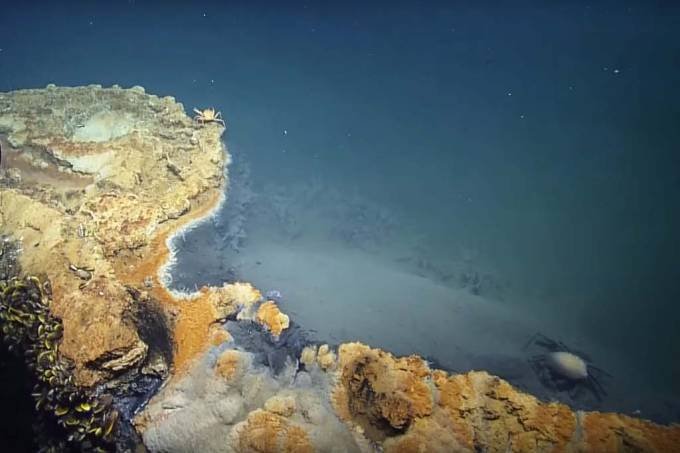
(545, 138)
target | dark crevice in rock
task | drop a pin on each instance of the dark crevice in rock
(133, 389)
(152, 325)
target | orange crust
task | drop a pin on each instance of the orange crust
(195, 316)
(266, 432)
(407, 407)
(271, 317)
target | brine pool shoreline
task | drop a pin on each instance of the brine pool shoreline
(360, 298)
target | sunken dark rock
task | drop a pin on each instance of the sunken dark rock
(274, 353)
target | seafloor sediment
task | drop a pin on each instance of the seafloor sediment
(94, 183)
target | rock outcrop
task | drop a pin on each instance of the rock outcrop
(406, 406)
(93, 181)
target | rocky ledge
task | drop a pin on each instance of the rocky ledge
(94, 185)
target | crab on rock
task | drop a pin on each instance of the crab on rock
(208, 116)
